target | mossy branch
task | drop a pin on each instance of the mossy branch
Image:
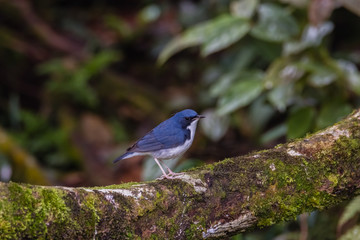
(213, 201)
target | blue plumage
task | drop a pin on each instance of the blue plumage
(168, 140)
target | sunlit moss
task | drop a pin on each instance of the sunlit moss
(28, 211)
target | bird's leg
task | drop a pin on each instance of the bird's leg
(164, 173)
(171, 173)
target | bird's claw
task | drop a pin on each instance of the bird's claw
(170, 175)
(175, 174)
(165, 177)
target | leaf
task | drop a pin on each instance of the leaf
(149, 14)
(332, 112)
(188, 39)
(322, 77)
(215, 35)
(51, 66)
(121, 26)
(222, 84)
(100, 61)
(275, 24)
(243, 8)
(351, 234)
(241, 58)
(312, 36)
(225, 34)
(213, 125)
(282, 71)
(352, 209)
(260, 113)
(267, 51)
(281, 96)
(321, 69)
(299, 122)
(352, 75)
(274, 133)
(272, 74)
(242, 93)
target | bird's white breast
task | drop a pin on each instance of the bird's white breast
(175, 152)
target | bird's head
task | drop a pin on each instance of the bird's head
(187, 117)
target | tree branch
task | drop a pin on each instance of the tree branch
(213, 201)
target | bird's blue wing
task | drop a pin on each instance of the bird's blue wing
(162, 137)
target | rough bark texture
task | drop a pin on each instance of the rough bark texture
(213, 201)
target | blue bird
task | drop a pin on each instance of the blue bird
(169, 140)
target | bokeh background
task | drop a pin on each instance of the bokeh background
(80, 81)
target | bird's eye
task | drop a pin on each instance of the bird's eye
(187, 118)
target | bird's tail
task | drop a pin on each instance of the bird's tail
(124, 156)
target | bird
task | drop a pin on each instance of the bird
(168, 140)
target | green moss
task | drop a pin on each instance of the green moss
(334, 179)
(127, 185)
(296, 186)
(348, 147)
(192, 231)
(89, 209)
(291, 185)
(209, 167)
(28, 211)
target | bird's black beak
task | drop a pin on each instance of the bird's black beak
(200, 116)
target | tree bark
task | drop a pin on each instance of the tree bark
(213, 201)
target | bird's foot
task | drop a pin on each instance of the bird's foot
(171, 173)
(166, 176)
(175, 174)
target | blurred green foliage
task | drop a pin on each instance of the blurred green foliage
(81, 80)
(53, 144)
(72, 81)
(299, 73)
(351, 211)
